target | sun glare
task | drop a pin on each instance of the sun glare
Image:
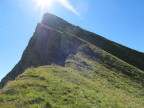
(44, 3)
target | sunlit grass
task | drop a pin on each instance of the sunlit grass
(92, 78)
(68, 87)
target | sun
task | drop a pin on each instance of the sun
(44, 3)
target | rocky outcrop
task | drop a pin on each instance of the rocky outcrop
(47, 46)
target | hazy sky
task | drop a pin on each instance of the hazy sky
(121, 21)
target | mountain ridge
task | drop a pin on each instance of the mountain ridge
(57, 27)
(65, 66)
(94, 39)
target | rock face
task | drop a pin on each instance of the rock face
(55, 39)
(46, 47)
(128, 55)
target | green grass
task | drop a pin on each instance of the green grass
(86, 81)
(97, 73)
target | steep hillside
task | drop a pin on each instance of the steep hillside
(128, 55)
(65, 66)
(55, 39)
(92, 78)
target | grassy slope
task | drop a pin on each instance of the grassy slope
(90, 79)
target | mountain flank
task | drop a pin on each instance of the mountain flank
(70, 67)
(52, 42)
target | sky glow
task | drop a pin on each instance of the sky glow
(44, 4)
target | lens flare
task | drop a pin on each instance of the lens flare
(49, 4)
(44, 3)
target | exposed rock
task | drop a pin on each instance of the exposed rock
(47, 46)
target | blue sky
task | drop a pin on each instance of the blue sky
(121, 21)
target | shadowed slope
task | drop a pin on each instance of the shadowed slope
(128, 55)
